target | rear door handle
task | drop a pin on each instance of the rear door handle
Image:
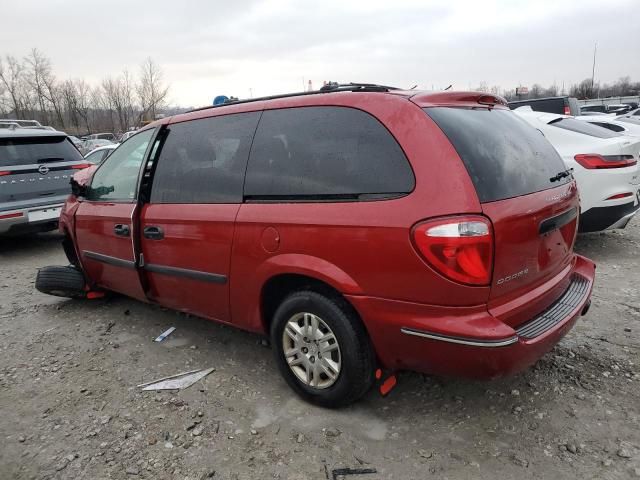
(121, 230)
(153, 233)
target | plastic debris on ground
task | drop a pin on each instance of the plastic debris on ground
(164, 334)
(179, 381)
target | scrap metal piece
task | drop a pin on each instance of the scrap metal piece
(165, 334)
(177, 382)
(343, 472)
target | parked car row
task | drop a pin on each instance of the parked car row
(614, 109)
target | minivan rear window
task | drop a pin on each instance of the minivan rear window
(37, 150)
(583, 127)
(504, 156)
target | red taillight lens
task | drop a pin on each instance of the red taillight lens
(594, 161)
(2, 174)
(460, 248)
(618, 196)
(567, 110)
(11, 215)
(80, 166)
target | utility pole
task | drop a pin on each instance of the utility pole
(593, 70)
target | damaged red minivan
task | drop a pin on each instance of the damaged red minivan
(365, 229)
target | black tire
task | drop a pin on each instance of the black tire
(356, 374)
(61, 282)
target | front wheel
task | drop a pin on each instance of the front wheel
(322, 349)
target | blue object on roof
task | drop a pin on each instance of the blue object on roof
(220, 99)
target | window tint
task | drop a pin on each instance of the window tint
(583, 127)
(609, 126)
(325, 153)
(36, 150)
(204, 161)
(504, 156)
(117, 177)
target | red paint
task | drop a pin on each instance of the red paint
(197, 237)
(366, 250)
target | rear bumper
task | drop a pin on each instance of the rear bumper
(607, 218)
(30, 219)
(469, 341)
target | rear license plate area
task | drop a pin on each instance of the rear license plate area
(52, 213)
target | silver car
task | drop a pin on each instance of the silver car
(35, 169)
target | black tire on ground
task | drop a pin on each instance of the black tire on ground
(61, 282)
(357, 357)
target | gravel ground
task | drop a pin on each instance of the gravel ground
(71, 410)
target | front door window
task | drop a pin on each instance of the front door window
(117, 177)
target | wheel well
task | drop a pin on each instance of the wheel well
(69, 250)
(278, 287)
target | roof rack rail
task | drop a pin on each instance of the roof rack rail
(329, 87)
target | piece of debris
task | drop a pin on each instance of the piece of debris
(624, 453)
(343, 472)
(164, 334)
(109, 327)
(177, 382)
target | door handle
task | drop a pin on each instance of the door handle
(153, 233)
(121, 230)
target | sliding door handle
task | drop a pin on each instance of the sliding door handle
(153, 233)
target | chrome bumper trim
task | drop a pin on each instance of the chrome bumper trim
(461, 340)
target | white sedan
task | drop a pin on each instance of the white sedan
(97, 155)
(604, 164)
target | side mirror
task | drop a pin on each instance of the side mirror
(77, 189)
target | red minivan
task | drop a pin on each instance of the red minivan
(365, 229)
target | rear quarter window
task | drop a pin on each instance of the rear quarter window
(20, 151)
(325, 153)
(505, 157)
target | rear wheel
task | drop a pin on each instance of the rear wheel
(322, 349)
(61, 282)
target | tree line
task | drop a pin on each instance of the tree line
(586, 89)
(29, 89)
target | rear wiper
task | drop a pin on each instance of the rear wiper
(560, 175)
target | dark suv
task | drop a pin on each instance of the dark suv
(364, 229)
(564, 105)
(35, 169)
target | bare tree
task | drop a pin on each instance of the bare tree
(152, 93)
(38, 68)
(12, 79)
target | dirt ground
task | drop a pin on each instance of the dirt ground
(70, 409)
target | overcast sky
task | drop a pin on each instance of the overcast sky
(209, 47)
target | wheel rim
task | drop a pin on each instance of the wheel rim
(311, 350)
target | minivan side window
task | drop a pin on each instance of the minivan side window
(325, 153)
(204, 160)
(117, 176)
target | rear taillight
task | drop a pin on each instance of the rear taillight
(3, 173)
(459, 248)
(11, 215)
(567, 110)
(80, 166)
(618, 196)
(594, 161)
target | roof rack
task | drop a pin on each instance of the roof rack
(330, 87)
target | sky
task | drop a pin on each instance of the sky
(253, 48)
